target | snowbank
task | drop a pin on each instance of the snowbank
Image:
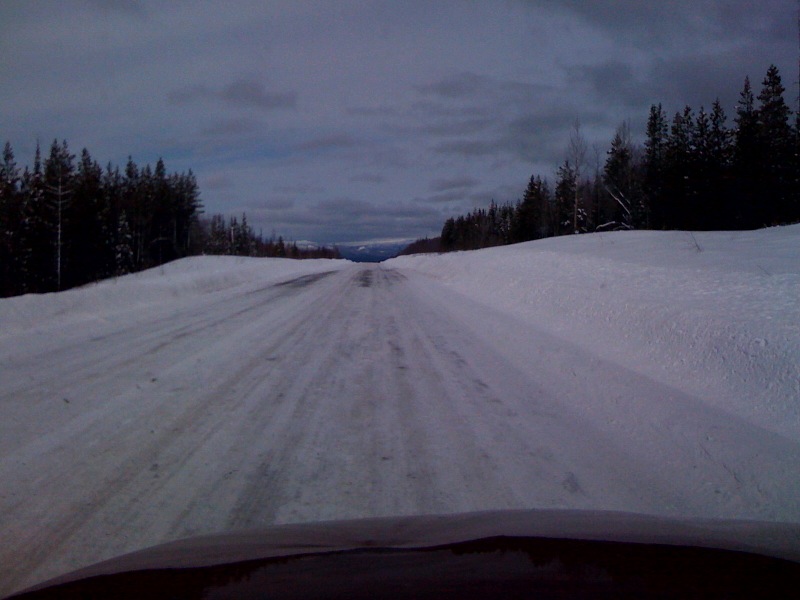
(714, 314)
(193, 276)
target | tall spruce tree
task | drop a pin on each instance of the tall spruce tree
(35, 249)
(776, 150)
(529, 220)
(58, 186)
(655, 165)
(123, 249)
(720, 154)
(746, 211)
(678, 172)
(10, 218)
(621, 179)
(566, 183)
(90, 253)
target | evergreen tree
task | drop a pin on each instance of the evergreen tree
(58, 187)
(718, 188)
(61, 222)
(655, 165)
(621, 179)
(529, 220)
(720, 138)
(10, 220)
(89, 251)
(564, 199)
(218, 235)
(448, 235)
(34, 252)
(123, 250)
(679, 170)
(745, 208)
(776, 150)
(132, 205)
(699, 211)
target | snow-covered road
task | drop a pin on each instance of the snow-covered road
(349, 391)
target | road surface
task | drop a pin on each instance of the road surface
(352, 393)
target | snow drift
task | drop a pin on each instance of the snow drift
(148, 290)
(715, 314)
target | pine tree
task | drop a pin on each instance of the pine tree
(10, 218)
(58, 186)
(89, 251)
(621, 177)
(112, 192)
(776, 141)
(678, 184)
(718, 177)
(655, 164)
(745, 207)
(564, 199)
(699, 212)
(60, 221)
(720, 138)
(34, 252)
(133, 206)
(123, 250)
(529, 222)
(448, 235)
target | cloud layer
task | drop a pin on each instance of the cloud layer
(357, 120)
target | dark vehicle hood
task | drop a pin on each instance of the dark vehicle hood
(403, 550)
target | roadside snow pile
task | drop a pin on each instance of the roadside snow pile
(713, 314)
(193, 276)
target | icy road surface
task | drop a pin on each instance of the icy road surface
(349, 391)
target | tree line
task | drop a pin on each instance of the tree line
(234, 236)
(694, 172)
(66, 221)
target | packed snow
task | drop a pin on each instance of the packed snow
(651, 372)
(713, 314)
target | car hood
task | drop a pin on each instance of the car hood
(280, 543)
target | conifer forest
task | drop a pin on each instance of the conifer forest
(66, 221)
(696, 171)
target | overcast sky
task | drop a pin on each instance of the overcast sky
(344, 120)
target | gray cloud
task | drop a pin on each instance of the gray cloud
(368, 178)
(444, 197)
(231, 127)
(468, 148)
(674, 81)
(217, 182)
(334, 141)
(128, 7)
(252, 93)
(359, 218)
(500, 194)
(299, 189)
(477, 93)
(457, 126)
(462, 85)
(456, 183)
(279, 105)
(611, 81)
(276, 204)
(509, 120)
(669, 25)
(241, 93)
(685, 80)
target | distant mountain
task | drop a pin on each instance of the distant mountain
(372, 251)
